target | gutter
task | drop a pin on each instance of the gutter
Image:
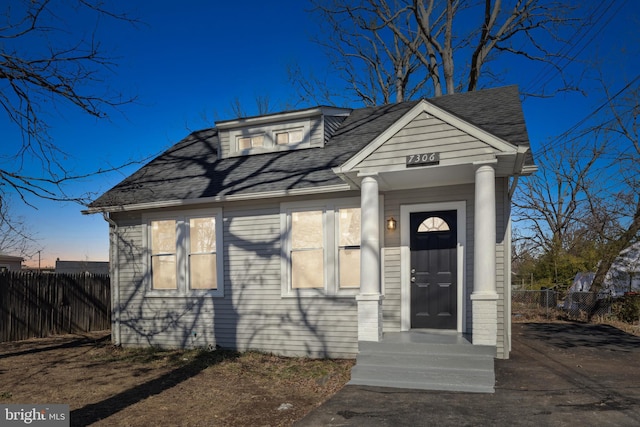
(115, 282)
(220, 199)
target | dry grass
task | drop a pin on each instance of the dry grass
(106, 385)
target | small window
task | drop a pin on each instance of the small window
(246, 142)
(307, 250)
(163, 254)
(349, 247)
(289, 137)
(433, 223)
(202, 253)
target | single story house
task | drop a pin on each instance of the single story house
(308, 232)
(10, 263)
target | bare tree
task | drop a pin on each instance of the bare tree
(45, 66)
(15, 237)
(588, 185)
(387, 50)
(622, 134)
(376, 63)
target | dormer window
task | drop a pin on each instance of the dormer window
(293, 130)
(289, 137)
(246, 142)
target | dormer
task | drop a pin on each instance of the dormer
(292, 130)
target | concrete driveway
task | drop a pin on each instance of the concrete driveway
(559, 374)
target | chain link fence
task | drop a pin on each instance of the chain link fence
(551, 304)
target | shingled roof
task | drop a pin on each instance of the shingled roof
(191, 169)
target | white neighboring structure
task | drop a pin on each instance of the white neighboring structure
(10, 263)
(623, 276)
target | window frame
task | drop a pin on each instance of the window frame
(183, 250)
(331, 253)
(251, 138)
(269, 133)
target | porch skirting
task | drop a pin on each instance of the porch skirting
(369, 317)
(485, 318)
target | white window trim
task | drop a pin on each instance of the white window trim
(269, 142)
(331, 254)
(182, 251)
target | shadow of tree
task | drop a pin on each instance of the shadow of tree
(193, 169)
(572, 335)
(98, 411)
(83, 341)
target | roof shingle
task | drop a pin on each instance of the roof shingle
(191, 169)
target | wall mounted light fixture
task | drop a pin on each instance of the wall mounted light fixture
(391, 224)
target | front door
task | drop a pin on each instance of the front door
(433, 269)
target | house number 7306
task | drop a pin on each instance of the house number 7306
(423, 159)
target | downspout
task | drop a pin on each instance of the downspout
(115, 283)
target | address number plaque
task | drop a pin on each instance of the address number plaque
(423, 159)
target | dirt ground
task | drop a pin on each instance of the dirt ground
(108, 386)
(558, 374)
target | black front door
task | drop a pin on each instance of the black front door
(433, 270)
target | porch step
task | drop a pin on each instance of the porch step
(426, 362)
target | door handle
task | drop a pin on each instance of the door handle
(413, 279)
(413, 270)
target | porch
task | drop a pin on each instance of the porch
(426, 360)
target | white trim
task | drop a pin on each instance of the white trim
(268, 133)
(278, 117)
(219, 199)
(405, 259)
(329, 208)
(182, 265)
(428, 108)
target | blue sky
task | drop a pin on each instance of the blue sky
(189, 60)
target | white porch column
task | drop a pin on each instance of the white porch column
(369, 299)
(484, 297)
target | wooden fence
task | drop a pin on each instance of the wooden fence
(40, 304)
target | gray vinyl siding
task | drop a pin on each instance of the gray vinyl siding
(225, 144)
(392, 203)
(391, 254)
(331, 124)
(316, 132)
(251, 315)
(502, 258)
(428, 134)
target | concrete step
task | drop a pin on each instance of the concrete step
(468, 380)
(422, 348)
(425, 362)
(420, 360)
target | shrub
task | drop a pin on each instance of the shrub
(627, 308)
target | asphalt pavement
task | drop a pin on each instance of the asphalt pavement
(559, 374)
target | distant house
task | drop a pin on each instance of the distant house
(10, 263)
(308, 232)
(82, 267)
(622, 277)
